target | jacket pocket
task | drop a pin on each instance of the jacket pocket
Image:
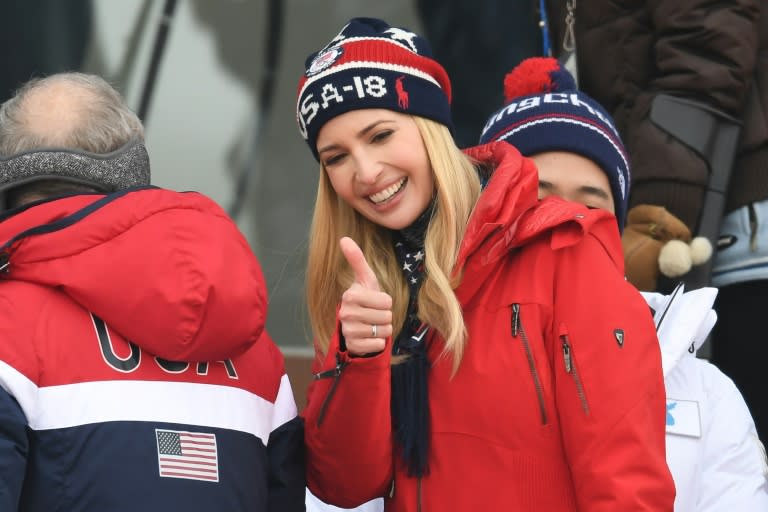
(571, 368)
(518, 331)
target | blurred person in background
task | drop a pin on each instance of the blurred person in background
(41, 37)
(478, 41)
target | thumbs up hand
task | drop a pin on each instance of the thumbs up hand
(366, 312)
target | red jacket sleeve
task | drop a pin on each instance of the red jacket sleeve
(608, 382)
(348, 429)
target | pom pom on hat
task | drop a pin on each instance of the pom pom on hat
(537, 75)
(701, 250)
(545, 112)
(675, 258)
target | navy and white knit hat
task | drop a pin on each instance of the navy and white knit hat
(370, 64)
(544, 111)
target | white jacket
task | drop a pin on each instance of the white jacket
(713, 452)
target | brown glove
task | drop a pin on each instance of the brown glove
(656, 241)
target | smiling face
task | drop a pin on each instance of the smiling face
(575, 178)
(376, 162)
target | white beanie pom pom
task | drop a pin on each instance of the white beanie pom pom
(675, 258)
(701, 250)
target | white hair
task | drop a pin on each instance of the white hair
(96, 118)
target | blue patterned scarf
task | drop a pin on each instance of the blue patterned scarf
(410, 405)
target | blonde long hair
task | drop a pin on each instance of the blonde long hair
(457, 188)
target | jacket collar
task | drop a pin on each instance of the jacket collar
(509, 215)
(683, 322)
(511, 190)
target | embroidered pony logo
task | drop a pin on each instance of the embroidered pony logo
(402, 94)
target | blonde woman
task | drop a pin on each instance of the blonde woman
(470, 352)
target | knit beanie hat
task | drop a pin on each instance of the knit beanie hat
(371, 65)
(544, 111)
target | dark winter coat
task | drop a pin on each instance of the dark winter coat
(716, 53)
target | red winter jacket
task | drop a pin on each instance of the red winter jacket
(558, 404)
(135, 370)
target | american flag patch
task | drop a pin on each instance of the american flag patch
(191, 455)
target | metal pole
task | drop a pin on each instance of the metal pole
(157, 54)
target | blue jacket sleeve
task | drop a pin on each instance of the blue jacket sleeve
(286, 479)
(286, 467)
(14, 447)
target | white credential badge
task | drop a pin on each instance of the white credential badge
(683, 418)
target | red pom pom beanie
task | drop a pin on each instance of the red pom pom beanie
(545, 112)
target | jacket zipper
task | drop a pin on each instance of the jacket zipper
(333, 373)
(517, 328)
(4, 261)
(418, 495)
(752, 227)
(570, 368)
